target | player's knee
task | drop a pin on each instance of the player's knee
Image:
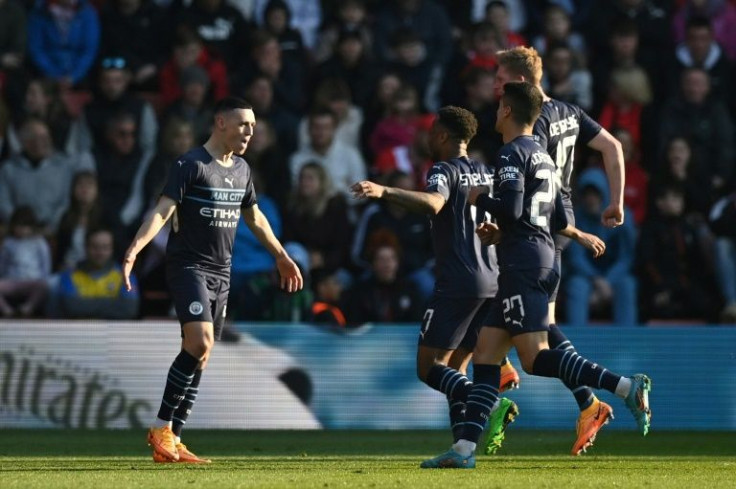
(200, 347)
(527, 361)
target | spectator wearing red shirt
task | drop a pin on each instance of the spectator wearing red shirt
(637, 180)
(629, 94)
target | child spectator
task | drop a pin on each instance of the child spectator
(83, 214)
(25, 266)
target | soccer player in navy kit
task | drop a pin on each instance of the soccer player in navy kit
(208, 190)
(466, 270)
(527, 205)
(558, 129)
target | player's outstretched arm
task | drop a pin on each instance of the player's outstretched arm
(613, 160)
(149, 229)
(419, 202)
(586, 240)
(291, 277)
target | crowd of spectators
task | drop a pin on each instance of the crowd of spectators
(98, 97)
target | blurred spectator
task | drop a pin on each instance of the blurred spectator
(12, 35)
(137, 31)
(63, 39)
(401, 124)
(626, 105)
(95, 288)
(413, 160)
(707, 125)
(485, 42)
(595, 284)
(411, 231)
(680, 170)
(343, 163)
(637, 180)
(517, 12)
(84, 213)
(38, 177)
(285, 123)
(121, 170)
(351, 21)
(700, 50)
(384, 296)
(424, 17)
(267, 158)
(334, 94)
(193, 106)
(25, 265)
(564, 79)
(43, 101)
(722, 15)
(286, 78)
(306, 16)
(723, 223)
(277, 20)
(328, 291)
(189, 51)
(674, 282)
(480, 99)
(220, 26)
(317, 218)
(498, 15)
(113, 97)
(557, 28)
(352, 64)
(411, 62)
(379, 106)
(177, 138)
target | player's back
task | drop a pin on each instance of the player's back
(558, 129)
(464, 267)
(523, 165)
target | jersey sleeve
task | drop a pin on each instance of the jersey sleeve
(181, 175)
(439, 179)
(249, 199)
(588, 127)
(508, 194)
(509, 172)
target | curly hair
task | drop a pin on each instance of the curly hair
(522, 61)
(459, 122)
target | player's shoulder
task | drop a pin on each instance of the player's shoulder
(194, 157)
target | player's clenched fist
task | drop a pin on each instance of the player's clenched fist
(367, 190)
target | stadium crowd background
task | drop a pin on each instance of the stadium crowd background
(100, 97)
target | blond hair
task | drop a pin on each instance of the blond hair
(633, 84)
(522, 61)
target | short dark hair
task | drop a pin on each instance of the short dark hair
(23, 216)
(525, 101)
(497, 3)
(698, 22)
(231, 103)
(459, 122)
(322, 111)
(97, 230)
(625, 28)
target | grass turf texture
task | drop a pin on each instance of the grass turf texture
(324, 459)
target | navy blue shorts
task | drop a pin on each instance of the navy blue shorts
(522, 304)
(453, 322)
(561, 242)
(198, 296)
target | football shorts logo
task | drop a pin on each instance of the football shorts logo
(195, 308)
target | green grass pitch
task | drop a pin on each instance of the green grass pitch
(369, 459)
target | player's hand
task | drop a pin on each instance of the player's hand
(291, 277)
(475, 192)
(613, 216)
(592, 243)
(367, 190)
(128, 263)
(488, 233)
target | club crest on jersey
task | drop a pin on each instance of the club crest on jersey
(196, 308)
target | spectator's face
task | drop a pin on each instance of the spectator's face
(671, 204)
(559, 63)
(624, 46)
(187, 54)
(330, 289)
(405, 105)
(339, 107)
(22, 231)
(182, 141)
(557, 24)
(591, 201)
(85, 190)
(387, 87)
(321, 131)
(350, 50)
(678, 156)
(236, 128)
(385, 264)
(699, 40)
(276, 20)
(114, 83)
(194, 93)
(36, 141)
(260, 92)
(99, 249)
(268, 58)
(498, 17)
(123, 137)
(410, 53)
(483, 89)
(309, 183)
(695, 87)
(485, 44)
(36, 99)
(352, 13)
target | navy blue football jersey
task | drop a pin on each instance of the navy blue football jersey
(464, 267)
(525, 178)
(209, 198)
(558, 129)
